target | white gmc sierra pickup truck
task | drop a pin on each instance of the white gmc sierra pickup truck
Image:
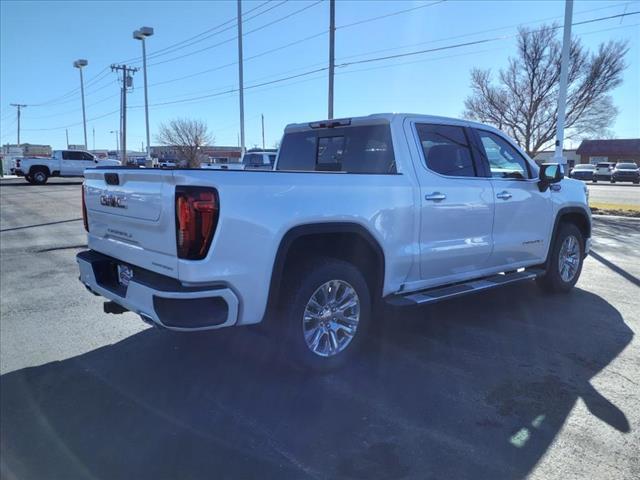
(63, 163)
(391, 208)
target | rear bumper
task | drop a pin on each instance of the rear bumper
(18, 172)
(159, 299)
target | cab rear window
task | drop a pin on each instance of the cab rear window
(359, 149)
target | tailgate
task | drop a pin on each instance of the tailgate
(131, 216)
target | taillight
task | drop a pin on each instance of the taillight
(197, 211)
(84, 211)
(17, 162)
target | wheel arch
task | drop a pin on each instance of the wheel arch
(578, 216)
(344, 240)
(34, 168)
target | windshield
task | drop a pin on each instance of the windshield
(626, 166)
(584, 167)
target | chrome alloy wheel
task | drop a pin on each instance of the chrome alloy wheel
(331, 317)
(569, 258)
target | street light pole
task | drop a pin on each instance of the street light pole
(117, 142)
(240, 76)
(332, 56)
(79, 64)
(564, 74)
(141, 35)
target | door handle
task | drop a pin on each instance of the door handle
(504, 195)
(435, 196)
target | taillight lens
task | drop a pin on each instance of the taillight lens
(197, 210)
(17, 162)
(84, 211)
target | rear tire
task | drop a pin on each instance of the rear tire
(565, 262)
(40, 177)
(327, 314)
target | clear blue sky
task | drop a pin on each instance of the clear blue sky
(40, 40)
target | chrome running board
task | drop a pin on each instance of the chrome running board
(437, 294)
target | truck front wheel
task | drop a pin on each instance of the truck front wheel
(39, 177)
(565, 263)
(327, 310)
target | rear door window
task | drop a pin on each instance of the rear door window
(72, 155)
(446, 150)
(359, 149)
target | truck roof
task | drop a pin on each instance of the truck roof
(383, 118)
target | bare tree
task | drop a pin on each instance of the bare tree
(524, 102)
(187, 137)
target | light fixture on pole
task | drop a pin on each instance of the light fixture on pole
(141, 35)
(117, 132)
(79, 64)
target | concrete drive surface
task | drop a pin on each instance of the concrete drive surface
(502, 385)
(619, 193)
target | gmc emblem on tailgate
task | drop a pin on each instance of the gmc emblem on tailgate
(112, 200)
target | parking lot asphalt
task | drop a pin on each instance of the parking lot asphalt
(507, 384)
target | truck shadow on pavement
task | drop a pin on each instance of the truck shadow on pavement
(476, 388)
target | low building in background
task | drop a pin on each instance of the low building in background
(618, 150)
(546, 156)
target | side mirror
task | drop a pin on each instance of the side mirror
(549, 173)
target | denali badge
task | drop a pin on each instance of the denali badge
(112, 200)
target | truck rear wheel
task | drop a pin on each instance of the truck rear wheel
(40, 177)
(327, 310)
(565, 263)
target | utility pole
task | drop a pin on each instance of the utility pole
(240, 79)
(127, 81)
(67, 132)
(19, 106)
(262, 115)
(564, 74)
(94, 137)
(332, 56)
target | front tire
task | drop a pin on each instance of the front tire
(565, 263)
(327, 313)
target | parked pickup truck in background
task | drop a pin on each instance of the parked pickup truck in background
(63, 163)
(392, 209)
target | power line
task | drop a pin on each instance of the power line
(220, 67)
(179, 57)
(230, 27)
(399, 12)
(465, 44)
(168, 47)
(347, 64)
(71, 124)
(71, 92)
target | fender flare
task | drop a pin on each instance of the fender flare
(556, 222)
(293, 234)
(34, 168)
